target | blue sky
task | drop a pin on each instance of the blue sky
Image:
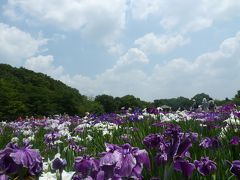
(151, 49)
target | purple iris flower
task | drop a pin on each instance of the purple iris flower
(123, 162)
(3, 177)
(153, 111)
(51, 137)
(181, 164)
(235, 168)
(237, 114)
(192, 135)
(172, 130)
(73, 146)
(152, 140)
(160, 124)
(126, 138)
(172, 149)
(86, 167)
(205, 166)
(184, 166)
(210, 143)
(235, 141)
(58, 163)
(15, 159)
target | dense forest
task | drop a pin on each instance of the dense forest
(26, 93)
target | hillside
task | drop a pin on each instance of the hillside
(24, 92)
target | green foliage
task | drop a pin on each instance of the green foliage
(236, 99)
(175, 103)
(222, 102)
(96, 108)
(107, 102)
(199, 97)
(238, 94)
(132, 102)
(26, 93)
(111, 104)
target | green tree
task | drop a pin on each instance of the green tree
(129, 101)
(199, 97)
(26, 93)
(107, 102)
(236, 99)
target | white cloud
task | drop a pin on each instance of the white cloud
(45, 65)
(115, 48)
(141, 9)
(123, 78)
(99, 20)
(134, 55)
(216, 73)
(185, 15)
(17, 45)
(152, 43)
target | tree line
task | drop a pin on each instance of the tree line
(26, 93)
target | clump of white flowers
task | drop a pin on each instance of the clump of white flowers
(105, 127)
(14, 140)
(232, 120)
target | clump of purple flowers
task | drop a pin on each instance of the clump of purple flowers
(86, 167)
(116, 163)
(20, 162)
(172, 148)
(123, 162)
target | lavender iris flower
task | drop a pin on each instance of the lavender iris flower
(15, 159)
(123, 162)
(205, 166)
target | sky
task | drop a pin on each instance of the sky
(150, 49)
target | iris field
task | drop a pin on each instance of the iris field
(134, 144)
